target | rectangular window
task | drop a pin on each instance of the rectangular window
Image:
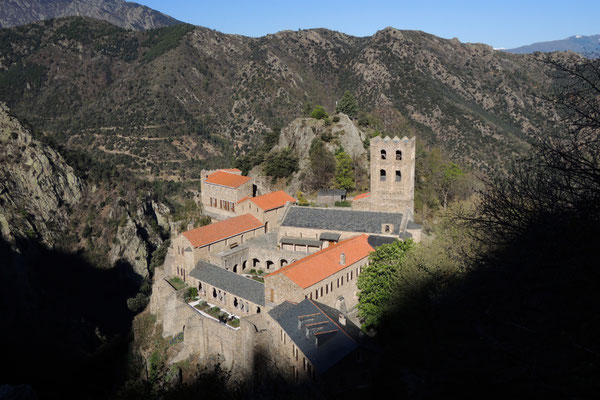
(327, 288)
(316, 294)
(351, 274)
(338, 282)
(321, 291)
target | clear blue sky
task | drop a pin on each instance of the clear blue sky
(507, 24)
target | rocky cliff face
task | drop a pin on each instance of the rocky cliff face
(37, 188)
(117, 12)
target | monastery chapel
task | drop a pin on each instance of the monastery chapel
(294, 269)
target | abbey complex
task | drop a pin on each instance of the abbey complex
(280, 279)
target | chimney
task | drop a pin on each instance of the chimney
(343, 259)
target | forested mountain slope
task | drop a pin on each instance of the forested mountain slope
(167, 102)
(118, 12)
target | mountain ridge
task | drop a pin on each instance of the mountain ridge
(122, 13)
(588, 46)
(166, 103)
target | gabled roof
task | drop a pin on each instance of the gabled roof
(221, 230)
(271, 200)
(327, 343)
(230, 282)
(340, 220)
(324, 263)
(362, 196)
(227, 179)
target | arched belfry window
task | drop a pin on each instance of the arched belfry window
(382, 175)
(398, 176)
(398, 155)
(383, 154)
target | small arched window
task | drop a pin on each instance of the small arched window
(398, 176)
(383, 154)
(387, 228)
(398, 155)
(382, 175)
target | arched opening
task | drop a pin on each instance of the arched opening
(255, 263)
(382, 175)
(387, 228)
(269, 264)
(283, 262)
(214, 293)
(235, 268)
(244, 264)
(383, 155)
(235, 302)
(340, 304)
(398, 155)
(258, 310)
(266, 227)
(398, 176)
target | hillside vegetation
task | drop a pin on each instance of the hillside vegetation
(166, 103)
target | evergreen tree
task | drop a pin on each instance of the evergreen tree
(347, 105)
(344, 173)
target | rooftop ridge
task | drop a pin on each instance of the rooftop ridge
(313, 255)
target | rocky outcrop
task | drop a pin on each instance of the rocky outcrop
(300, 133)
(37, 188)
(118, 12)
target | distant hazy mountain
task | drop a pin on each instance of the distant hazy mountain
(117, 12)
(588, 46)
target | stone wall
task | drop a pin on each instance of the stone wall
(332, 291)
(207, 341)
(225, 193)
(230, 302)
(397, 192)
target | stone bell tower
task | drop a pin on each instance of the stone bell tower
(393, 174)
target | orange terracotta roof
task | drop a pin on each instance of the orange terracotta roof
(271, 200)
(227, 179)
(324, 263)
(244, 199)
(222, 230)
(362, 196)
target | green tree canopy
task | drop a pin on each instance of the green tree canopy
(322, 164)
(347, 105)
(319, 113)
(378, 280)
(344, 172)
(281, 164)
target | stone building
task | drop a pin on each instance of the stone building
(268, 208)
(317, 343)
(234, 293)
(392, 176)
(202, 243)
(313, 223)
(222, 190)
(330, 196)
(328, 275)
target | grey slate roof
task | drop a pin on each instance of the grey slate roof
(341, 220)
(330, 236)
(230, 282)
(300, 241)
(376, 241)
(331, 192)
(334, 340)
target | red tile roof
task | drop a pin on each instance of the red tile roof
(271, 200)
(227, 179)
(324, 263)
(221, 230)
(362, 196)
